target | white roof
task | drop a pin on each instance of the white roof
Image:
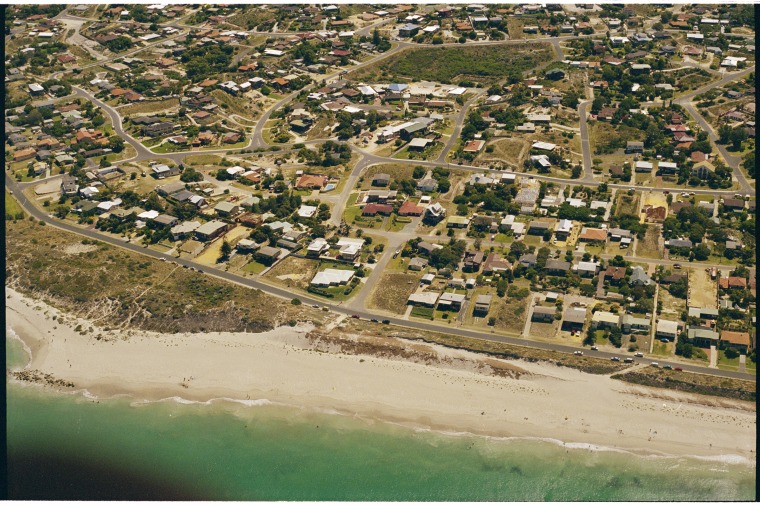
(419, 143)
(148, 215)
(317, 244)
(273, 52)
(457, 91)
(347, 240)
(428, 298)
(452, 297)
(332, 276)
(667, 326)
(587, 266)
(307, 211)
(644, 165)
(564, 226)
(548, 146)
(605, 316)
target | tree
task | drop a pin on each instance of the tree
(62, 211)
(702, 252)
(190, 175)
(616, 336)
(731, 353)
(225, 250)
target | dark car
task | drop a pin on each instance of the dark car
(355, 316)
(386, 322)
(374, 320)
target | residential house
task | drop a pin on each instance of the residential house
(211, 230)
(482, 305)
(737, 340)
(635, 325)
(574, 318)
(667, 329)
(546, 314)
(604, 320)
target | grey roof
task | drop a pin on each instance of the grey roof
(575, 315)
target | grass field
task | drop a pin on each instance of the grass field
(148, 107)
(702, 290)
(510, 313)
(203, 160)
(126, 289)
(627, 204)
(648, 247)
(447, 64)
(12, 207)
(294, 272)
(393, 290)
(396, 171)
(506, 150)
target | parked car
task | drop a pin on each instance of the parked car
(355, 316)
(316, 306)
(655, 364)
(374, 320)
(677, 369)
(595, 348)
(577, 353)
(628, 360)
(615, 359)
(386, 322)
(667, 366)
(638, 354)
(676, 266)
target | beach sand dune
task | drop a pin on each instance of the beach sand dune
(428, 386)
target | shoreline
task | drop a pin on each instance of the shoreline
(453, 397)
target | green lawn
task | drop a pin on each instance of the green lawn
(504, 238)
(395, 223)
(254, 267)
(423, 312)
(725, 362)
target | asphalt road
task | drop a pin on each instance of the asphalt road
(283, 293)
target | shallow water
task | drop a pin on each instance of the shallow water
(69, 446)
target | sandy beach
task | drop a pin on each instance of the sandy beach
(456, 394)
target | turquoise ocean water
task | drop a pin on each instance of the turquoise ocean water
(70, 446)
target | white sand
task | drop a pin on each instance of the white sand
(549, 402)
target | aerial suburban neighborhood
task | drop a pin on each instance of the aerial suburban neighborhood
(572, 177)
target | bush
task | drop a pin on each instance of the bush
(731, 353)
(296, 302)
